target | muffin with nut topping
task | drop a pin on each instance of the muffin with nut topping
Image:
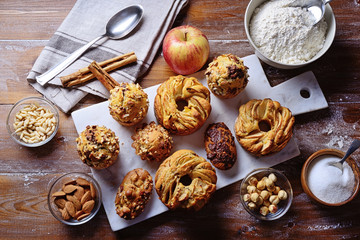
(152, 142)
(128, 104)
(227, 76)
(98, 147)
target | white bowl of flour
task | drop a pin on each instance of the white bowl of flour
(284, 36)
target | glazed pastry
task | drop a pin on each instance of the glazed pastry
(133, 194)
(128, 104)
(263, 126)
(178, 91)
(152, 142)
(98, 147)
(227, 76)
(220, 146)
(185, 180)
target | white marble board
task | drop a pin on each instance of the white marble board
(287, 93)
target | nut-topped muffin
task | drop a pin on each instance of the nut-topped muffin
(152, 142)
(227, 76)
(98, 147)
(128, 103)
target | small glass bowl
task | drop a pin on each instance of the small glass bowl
(57, 186)
(282, 182)
(305, 171)
(19, 106)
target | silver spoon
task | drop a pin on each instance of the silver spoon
(354, 145)
(315, 7)
(120, 25)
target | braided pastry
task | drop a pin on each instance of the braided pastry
(227, 76)
(168, 111)
(185, 180)
(263, 126)
(128, 103)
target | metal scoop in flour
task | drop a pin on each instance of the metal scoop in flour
(354, 145)
(315, 7)
(120, 25)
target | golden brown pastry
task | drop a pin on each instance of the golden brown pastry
(152, 142)
(128, 104)
(227, 76)
(133, 194)
(182, 105)
(263, 126)
(220, 146)
(98, 147)
(185, 180)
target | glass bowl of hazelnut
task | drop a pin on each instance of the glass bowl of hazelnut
(266, 194)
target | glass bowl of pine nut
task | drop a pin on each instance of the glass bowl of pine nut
(33, 121)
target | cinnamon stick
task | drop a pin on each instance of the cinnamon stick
(83, 75)
(103, 76)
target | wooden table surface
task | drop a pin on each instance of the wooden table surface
(25, 173)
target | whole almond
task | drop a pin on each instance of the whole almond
(64, 213)
(79, 193)
(86, 197)
(69, 206)
(58, 194)
(88, 206)
(69, 188)
(75, 201)
(93, 191)
(60, 202)
(82, 216)
(72, 182)
(82, 182)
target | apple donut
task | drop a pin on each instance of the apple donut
(181, 91)
(263, 126)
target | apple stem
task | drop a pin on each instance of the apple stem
(186, 36)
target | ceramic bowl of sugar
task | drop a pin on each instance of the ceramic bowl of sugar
(326, 184)
(283, 38)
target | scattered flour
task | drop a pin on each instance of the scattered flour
(286, 34)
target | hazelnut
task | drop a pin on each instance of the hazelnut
(282, 195)
(261, 185)
(254, 197)
(253, 181)
(264, 210)
(266, 203)
(252, 206)
(277, 189)
(246, 197)
(273, 208)
(251, 189)
(265, 194)
(272, 177)
(274, 199)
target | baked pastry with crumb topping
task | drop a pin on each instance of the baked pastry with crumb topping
(133, 194)
(98, 147)
(128, 103)
(152, 142)
(227, 76)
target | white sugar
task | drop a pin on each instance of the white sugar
(327, 182)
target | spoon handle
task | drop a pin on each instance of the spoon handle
(354, 145)
(52, 72)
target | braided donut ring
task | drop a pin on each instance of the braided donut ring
(185, 180)
(250, 133)
(194, 114)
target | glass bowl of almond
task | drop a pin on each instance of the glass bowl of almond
(74, 198)
(266, 194)
(33, 121)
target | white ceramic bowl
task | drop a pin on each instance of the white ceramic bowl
(42, 102)
(330, 35)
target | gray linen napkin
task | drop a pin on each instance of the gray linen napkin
(86, 21)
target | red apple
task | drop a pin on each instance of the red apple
(185, 49)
